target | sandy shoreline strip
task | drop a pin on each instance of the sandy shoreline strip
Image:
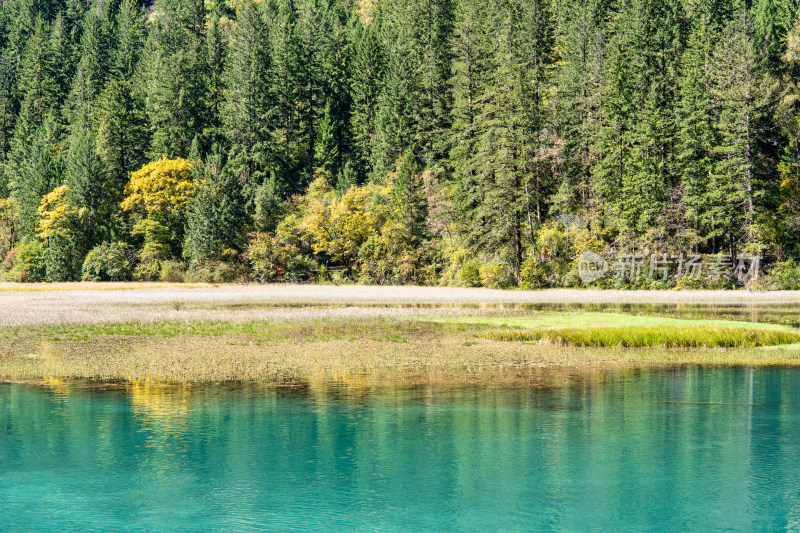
(65, 303)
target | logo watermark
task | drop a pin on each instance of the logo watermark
(714, 268)
(591, 266)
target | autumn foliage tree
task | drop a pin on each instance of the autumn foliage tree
(157, 198)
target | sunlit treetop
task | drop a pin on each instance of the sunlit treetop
(161, 187)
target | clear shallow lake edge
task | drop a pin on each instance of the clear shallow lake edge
(692, 449)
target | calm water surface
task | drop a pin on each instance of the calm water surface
(696, 449)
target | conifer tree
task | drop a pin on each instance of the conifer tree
(250, 109)
(87, 182)
(738, 93)
(121, 137)
(175, 77)
(129, 38)
(216, 54)
(696, 136)
(366, 85)
(35, 168)
(94, 67)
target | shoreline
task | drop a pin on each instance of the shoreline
(86, 303)
(371, 336)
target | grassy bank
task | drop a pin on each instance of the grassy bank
(427, 347)
(665, 336)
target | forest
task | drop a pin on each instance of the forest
(432, 142)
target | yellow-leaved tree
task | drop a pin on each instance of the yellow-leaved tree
(163, 187)
(57, 228)
(157, 197)
(56, 215)
(338, 226)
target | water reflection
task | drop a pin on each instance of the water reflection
(688, 449)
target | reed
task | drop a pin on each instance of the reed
(641, 336)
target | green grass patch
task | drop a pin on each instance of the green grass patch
(587, 319)
(670, 336)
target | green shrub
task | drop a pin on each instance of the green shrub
(108, 262)
(470, 273)
(535, 274)
(496, 275)
(265, 257)
(272, 259)
(27, 262)
(338, 277)
(150, 258)
(783, 276)
(300, 268)
(213, 271)
(172, 271)
(62, 261)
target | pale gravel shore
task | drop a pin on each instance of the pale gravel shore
(42, 304)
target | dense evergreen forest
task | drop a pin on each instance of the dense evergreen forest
(464, 142)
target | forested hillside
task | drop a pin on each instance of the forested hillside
(466, 142)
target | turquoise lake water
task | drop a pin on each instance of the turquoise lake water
(689, 450)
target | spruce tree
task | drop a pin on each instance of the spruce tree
(121, 141)
(35, 168)
(366, 81)
(129, 38)
(175, 76)
(87, 182)
(579, 46)
(217, 216)
(250, 108)
(694, 113)
(738, 92)
(94, 67)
